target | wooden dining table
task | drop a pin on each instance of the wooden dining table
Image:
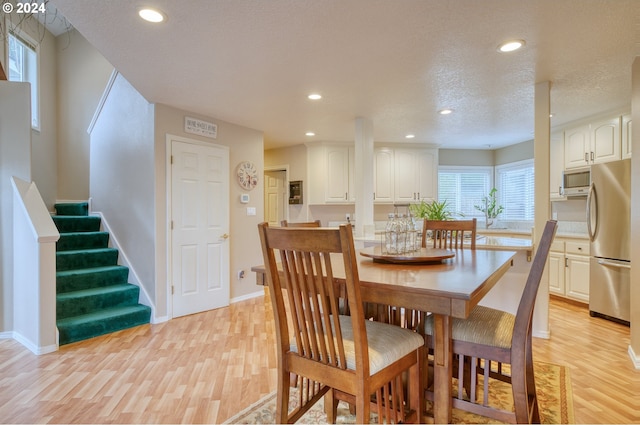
(448, 289)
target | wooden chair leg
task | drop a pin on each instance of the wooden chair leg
(282, 402)
(331, 406)
(531, 387)
(363, 408)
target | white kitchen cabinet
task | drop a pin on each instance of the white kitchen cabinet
(383, 175)
(592, 143)
(339, 176)
(556, 273)
(577, 277)
(556, 267)
(415, 174)
(556, 165)
(330, 169)
(569, 269)
(626, 136)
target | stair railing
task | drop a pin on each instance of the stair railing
(34, 270)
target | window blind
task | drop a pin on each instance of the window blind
(463, 188)
(515, 184)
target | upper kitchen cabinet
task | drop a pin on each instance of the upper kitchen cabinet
(415, 174)
(593, 143)
(331, 173)
(383, 175)
(556, 165)
(626, 136)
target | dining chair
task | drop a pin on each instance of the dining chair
(316, 223)
(449, 234)
(489, 335)
(336, 356)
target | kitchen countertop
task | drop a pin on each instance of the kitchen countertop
(503, 243)
(482, 242)
(527, 233)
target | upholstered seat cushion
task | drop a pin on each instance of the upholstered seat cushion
(387, 343)
(486, 326)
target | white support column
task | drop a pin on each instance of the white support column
(541, 149)
(364, 177)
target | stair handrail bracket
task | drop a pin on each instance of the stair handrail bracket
(34, 270)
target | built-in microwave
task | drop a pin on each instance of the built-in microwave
(576, 182)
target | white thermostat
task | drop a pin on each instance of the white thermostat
(244, 198)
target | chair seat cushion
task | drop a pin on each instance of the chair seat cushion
(486, 326)
(387, 343)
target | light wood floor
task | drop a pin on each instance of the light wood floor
(206, 367)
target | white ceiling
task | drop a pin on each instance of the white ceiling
(395, 62)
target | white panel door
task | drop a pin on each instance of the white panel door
(275, 197)
(200, 221)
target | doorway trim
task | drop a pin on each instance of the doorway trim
(284, 168)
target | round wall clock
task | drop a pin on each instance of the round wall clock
(247, 175)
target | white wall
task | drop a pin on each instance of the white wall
(295, 157)
(15, 160)
(44, 166)
(244, 144)
(44, 142)
(82, 76)
(635, 216)
(123, 176)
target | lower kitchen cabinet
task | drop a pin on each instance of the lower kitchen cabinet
(569, 269)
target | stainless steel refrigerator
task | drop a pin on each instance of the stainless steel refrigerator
(609, 226)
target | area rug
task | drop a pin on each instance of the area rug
(552, 382)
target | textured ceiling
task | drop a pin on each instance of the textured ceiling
(395, 62)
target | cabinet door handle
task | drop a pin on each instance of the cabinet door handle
(566, 262)
(592, 156)
(346, 196)
(586, 157)
(418, 198)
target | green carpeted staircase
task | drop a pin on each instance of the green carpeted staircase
(93, 294)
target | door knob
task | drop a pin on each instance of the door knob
(225, 236)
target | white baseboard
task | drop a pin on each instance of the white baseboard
(35, 349)
(634, 358)
(247, 296)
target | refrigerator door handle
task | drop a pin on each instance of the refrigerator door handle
(613, 263)
(592, 195)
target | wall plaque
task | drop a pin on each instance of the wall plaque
(200, 127)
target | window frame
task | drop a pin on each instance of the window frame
(29, 43)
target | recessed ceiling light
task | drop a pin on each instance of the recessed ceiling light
(410, 136)
(445, 111)
(314, 96)
(309, 133)
(511, 46)
(151, 15)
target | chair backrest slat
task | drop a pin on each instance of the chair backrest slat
(449, 234)
(308, 283)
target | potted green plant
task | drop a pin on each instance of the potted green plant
(490, 207)
(433, 210)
